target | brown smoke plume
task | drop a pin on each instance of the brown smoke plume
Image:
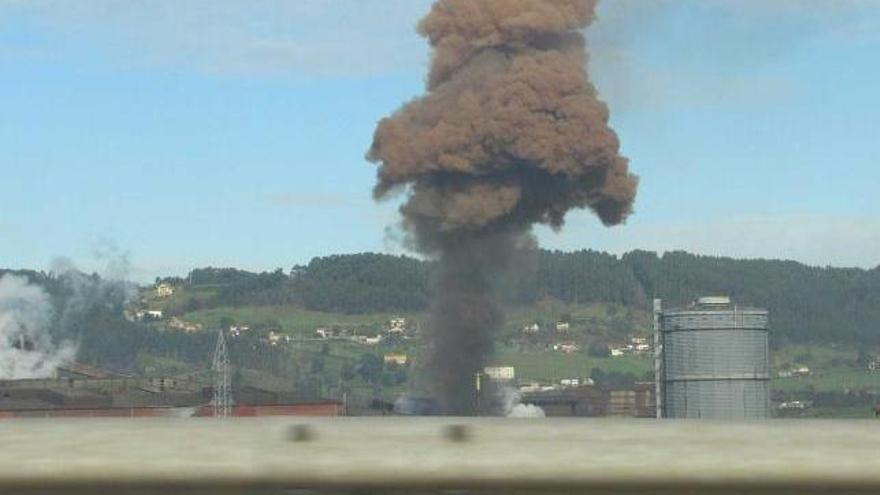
(510, 133)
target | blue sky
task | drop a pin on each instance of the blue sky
(232, 133)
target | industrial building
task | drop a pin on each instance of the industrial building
(80, 391)
(712, 360)
(593, 401)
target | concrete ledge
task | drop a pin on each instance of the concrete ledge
(172, 456)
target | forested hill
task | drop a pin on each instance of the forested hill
(808, 304)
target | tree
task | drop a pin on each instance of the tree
(370, 368)
(317, 364)
(599, 349)
(348, 372)
(864, 358)
(612, 380)
(227, 322)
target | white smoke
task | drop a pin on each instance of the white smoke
(117, 261)
(36, 336)
(514, 408)
(84, 292)
(26, 347)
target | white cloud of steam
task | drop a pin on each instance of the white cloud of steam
(36, 337)
(514, 408)
(26, 347)
(526, 411)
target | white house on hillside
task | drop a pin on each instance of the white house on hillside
(164, 290)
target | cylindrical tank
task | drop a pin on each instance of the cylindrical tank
(713, 361)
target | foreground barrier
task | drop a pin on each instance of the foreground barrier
(431, 455)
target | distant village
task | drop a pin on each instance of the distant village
(400, 329)
(396, 327)
(396, 337)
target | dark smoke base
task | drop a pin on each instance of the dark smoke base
(464, 316)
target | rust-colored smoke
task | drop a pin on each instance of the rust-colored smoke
(510, 133)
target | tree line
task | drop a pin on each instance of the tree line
(807, 303)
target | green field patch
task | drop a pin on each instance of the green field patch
(814, 356)
(292, 320)
(552, 366)
(609, 323)
(834, 380)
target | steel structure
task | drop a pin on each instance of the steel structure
(222, 389)
(712, 361)
(658, 360)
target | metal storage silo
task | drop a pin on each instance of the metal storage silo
(712, 360)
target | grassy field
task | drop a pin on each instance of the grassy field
(552, 366)
(814, 356)
(604, 320)
(180, 298)
(845, 412)
(608, 321)
(833, 368)
(830, 381)
(542, 365)
(294, 321)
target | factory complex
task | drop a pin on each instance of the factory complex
(711, 362)
(82, 391)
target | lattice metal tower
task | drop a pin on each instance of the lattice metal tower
(222, 389)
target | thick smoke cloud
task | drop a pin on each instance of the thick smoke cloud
(510, 133)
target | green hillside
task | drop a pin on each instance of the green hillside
(824, 319)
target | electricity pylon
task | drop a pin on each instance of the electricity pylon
(222, 388)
